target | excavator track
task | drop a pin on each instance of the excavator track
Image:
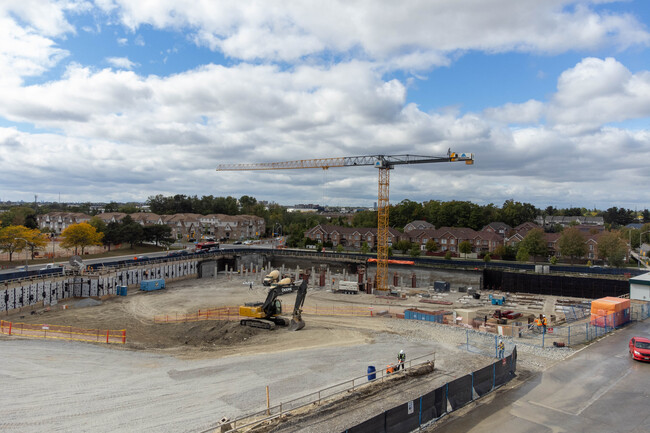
(258, 323)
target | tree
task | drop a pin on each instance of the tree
(612, 248)
(465, 247)
(339, 248)
(448, 255)
(415, 250)
(99, 224)
(365, 248)
(131, 231)
(112, 234)
(160, 234)
(487, 258)
(432, 246)
(572, 243)
(534, 244)
(403, 245)
(18, 216)
(80, 235)
(522, 254)
(12, 239)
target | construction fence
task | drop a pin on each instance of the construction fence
(428, 408)
(32, 330)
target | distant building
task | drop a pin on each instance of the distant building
(550, 221)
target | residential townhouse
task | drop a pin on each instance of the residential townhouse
(352, 237)
(184, 226)
(56, 222)
(449, 239)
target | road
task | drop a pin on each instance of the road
(599, 390)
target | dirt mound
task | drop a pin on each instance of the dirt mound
(215, 333)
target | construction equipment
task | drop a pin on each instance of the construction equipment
(382, 162)
(271, 278)
(267, 314)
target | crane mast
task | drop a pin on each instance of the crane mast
(384, 163)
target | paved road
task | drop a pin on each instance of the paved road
(598, 390)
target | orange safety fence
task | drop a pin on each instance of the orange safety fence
(223, 313)
(61, 332)
(232, 313)
(338, 311)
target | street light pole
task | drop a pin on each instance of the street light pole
(638, 261)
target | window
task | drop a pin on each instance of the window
(452, 241)
(452, 249)
(444, 242)
(591, 247)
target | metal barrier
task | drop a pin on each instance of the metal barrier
(59, 332)
(318, 397)
(425, 410)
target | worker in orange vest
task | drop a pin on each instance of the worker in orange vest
(544, 323)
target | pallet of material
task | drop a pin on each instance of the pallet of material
(432, 301)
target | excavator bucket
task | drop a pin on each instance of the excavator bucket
(296, 324)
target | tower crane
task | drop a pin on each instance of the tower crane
(382, 162)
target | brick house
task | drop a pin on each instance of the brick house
(352, 237)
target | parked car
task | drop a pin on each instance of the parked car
(51, 266)
(640, 348)
(237, 243)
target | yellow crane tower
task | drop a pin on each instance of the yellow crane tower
(384, 163)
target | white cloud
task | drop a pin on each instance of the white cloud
(529, 112)
(416, 34)
(121, 62)
(122, 41)
(596, 92)
(24, 53)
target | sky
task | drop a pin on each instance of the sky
(120, 100)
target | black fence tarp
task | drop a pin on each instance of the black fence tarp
(434, 404)
(403, 418)
(503, 371)
(554, 285)
(376, 424)
(459, 391)
(483, 380)
(409, 416)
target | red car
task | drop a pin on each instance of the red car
(640, 348)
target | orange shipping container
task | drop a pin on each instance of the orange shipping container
(610, 311)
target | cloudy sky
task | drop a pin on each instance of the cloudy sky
(120, 100)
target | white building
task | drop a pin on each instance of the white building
(640, 287)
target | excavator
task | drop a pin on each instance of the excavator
(267, 315)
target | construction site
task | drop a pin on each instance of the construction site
(255, 340)
(184, 361)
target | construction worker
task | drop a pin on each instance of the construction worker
(539, 322)
(501, 349)
(544, 323)
(401, 357)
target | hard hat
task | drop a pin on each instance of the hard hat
(401, 351)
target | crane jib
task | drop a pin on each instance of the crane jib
(379, 161)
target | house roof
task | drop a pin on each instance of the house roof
(417, 224)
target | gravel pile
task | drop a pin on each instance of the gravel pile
(88, 302)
